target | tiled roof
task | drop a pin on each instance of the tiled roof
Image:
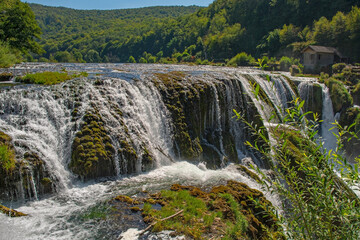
(323, 49)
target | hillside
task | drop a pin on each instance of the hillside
(79, 31)
(216, 33)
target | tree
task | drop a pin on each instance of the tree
(64, 56)
(18, 26)
(92, 56)
(131, 59)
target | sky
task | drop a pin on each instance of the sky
(118, 4)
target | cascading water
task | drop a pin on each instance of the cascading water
(137, 117)
(328, 131)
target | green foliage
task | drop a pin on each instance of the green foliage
(214, 33)
(262, 63)
(64, 56)
(7, 158)
(337, 68)
(340, 96)
(48, 78)
(18, 27)
(8, 56)
(241, 59)
(314, 196)
(285, 63)
(131, 59)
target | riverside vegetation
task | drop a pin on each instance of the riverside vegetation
(212, 34)
(317, 202)
(215, 34)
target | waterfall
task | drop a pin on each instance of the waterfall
(328, 118)
(156, 132)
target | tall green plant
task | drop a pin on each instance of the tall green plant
(317, 202)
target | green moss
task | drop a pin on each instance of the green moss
(46, 181)
(7, 154)
(226, 212)
(249, 173)
(11, 212)
(176, 96)
(340, 97)
(98, 212)
(48, 78)
(349, 117)
(355, 93)
(126, 199)
(92, 151)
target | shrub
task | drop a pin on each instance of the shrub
(285, 63)
(241, 59)
(131, 59)
(337, 68)
(8, 56)
(340, 96)
(304, 174)
(142, 60)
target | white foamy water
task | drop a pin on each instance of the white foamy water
(55, 217)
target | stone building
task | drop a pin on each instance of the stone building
(319, 58)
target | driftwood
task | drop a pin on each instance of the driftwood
(161, 220)
(163, 153)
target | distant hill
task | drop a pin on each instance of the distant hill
(216, 33)
(78, 31)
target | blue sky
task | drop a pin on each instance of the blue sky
(117, 4)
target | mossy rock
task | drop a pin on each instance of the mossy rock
(11, 212)
(176, 97)
(210, 214)
(314, 103)
(126, 199)
(17, 172)
(92, 151)
(340, 96)
(7, 155)
(248, 172)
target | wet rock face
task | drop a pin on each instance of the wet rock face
(203, 117)
(25, 177)
(312, 94)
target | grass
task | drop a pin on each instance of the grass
(191, 222)
(235, 230)
(48, 78)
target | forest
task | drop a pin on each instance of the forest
(216, 33)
